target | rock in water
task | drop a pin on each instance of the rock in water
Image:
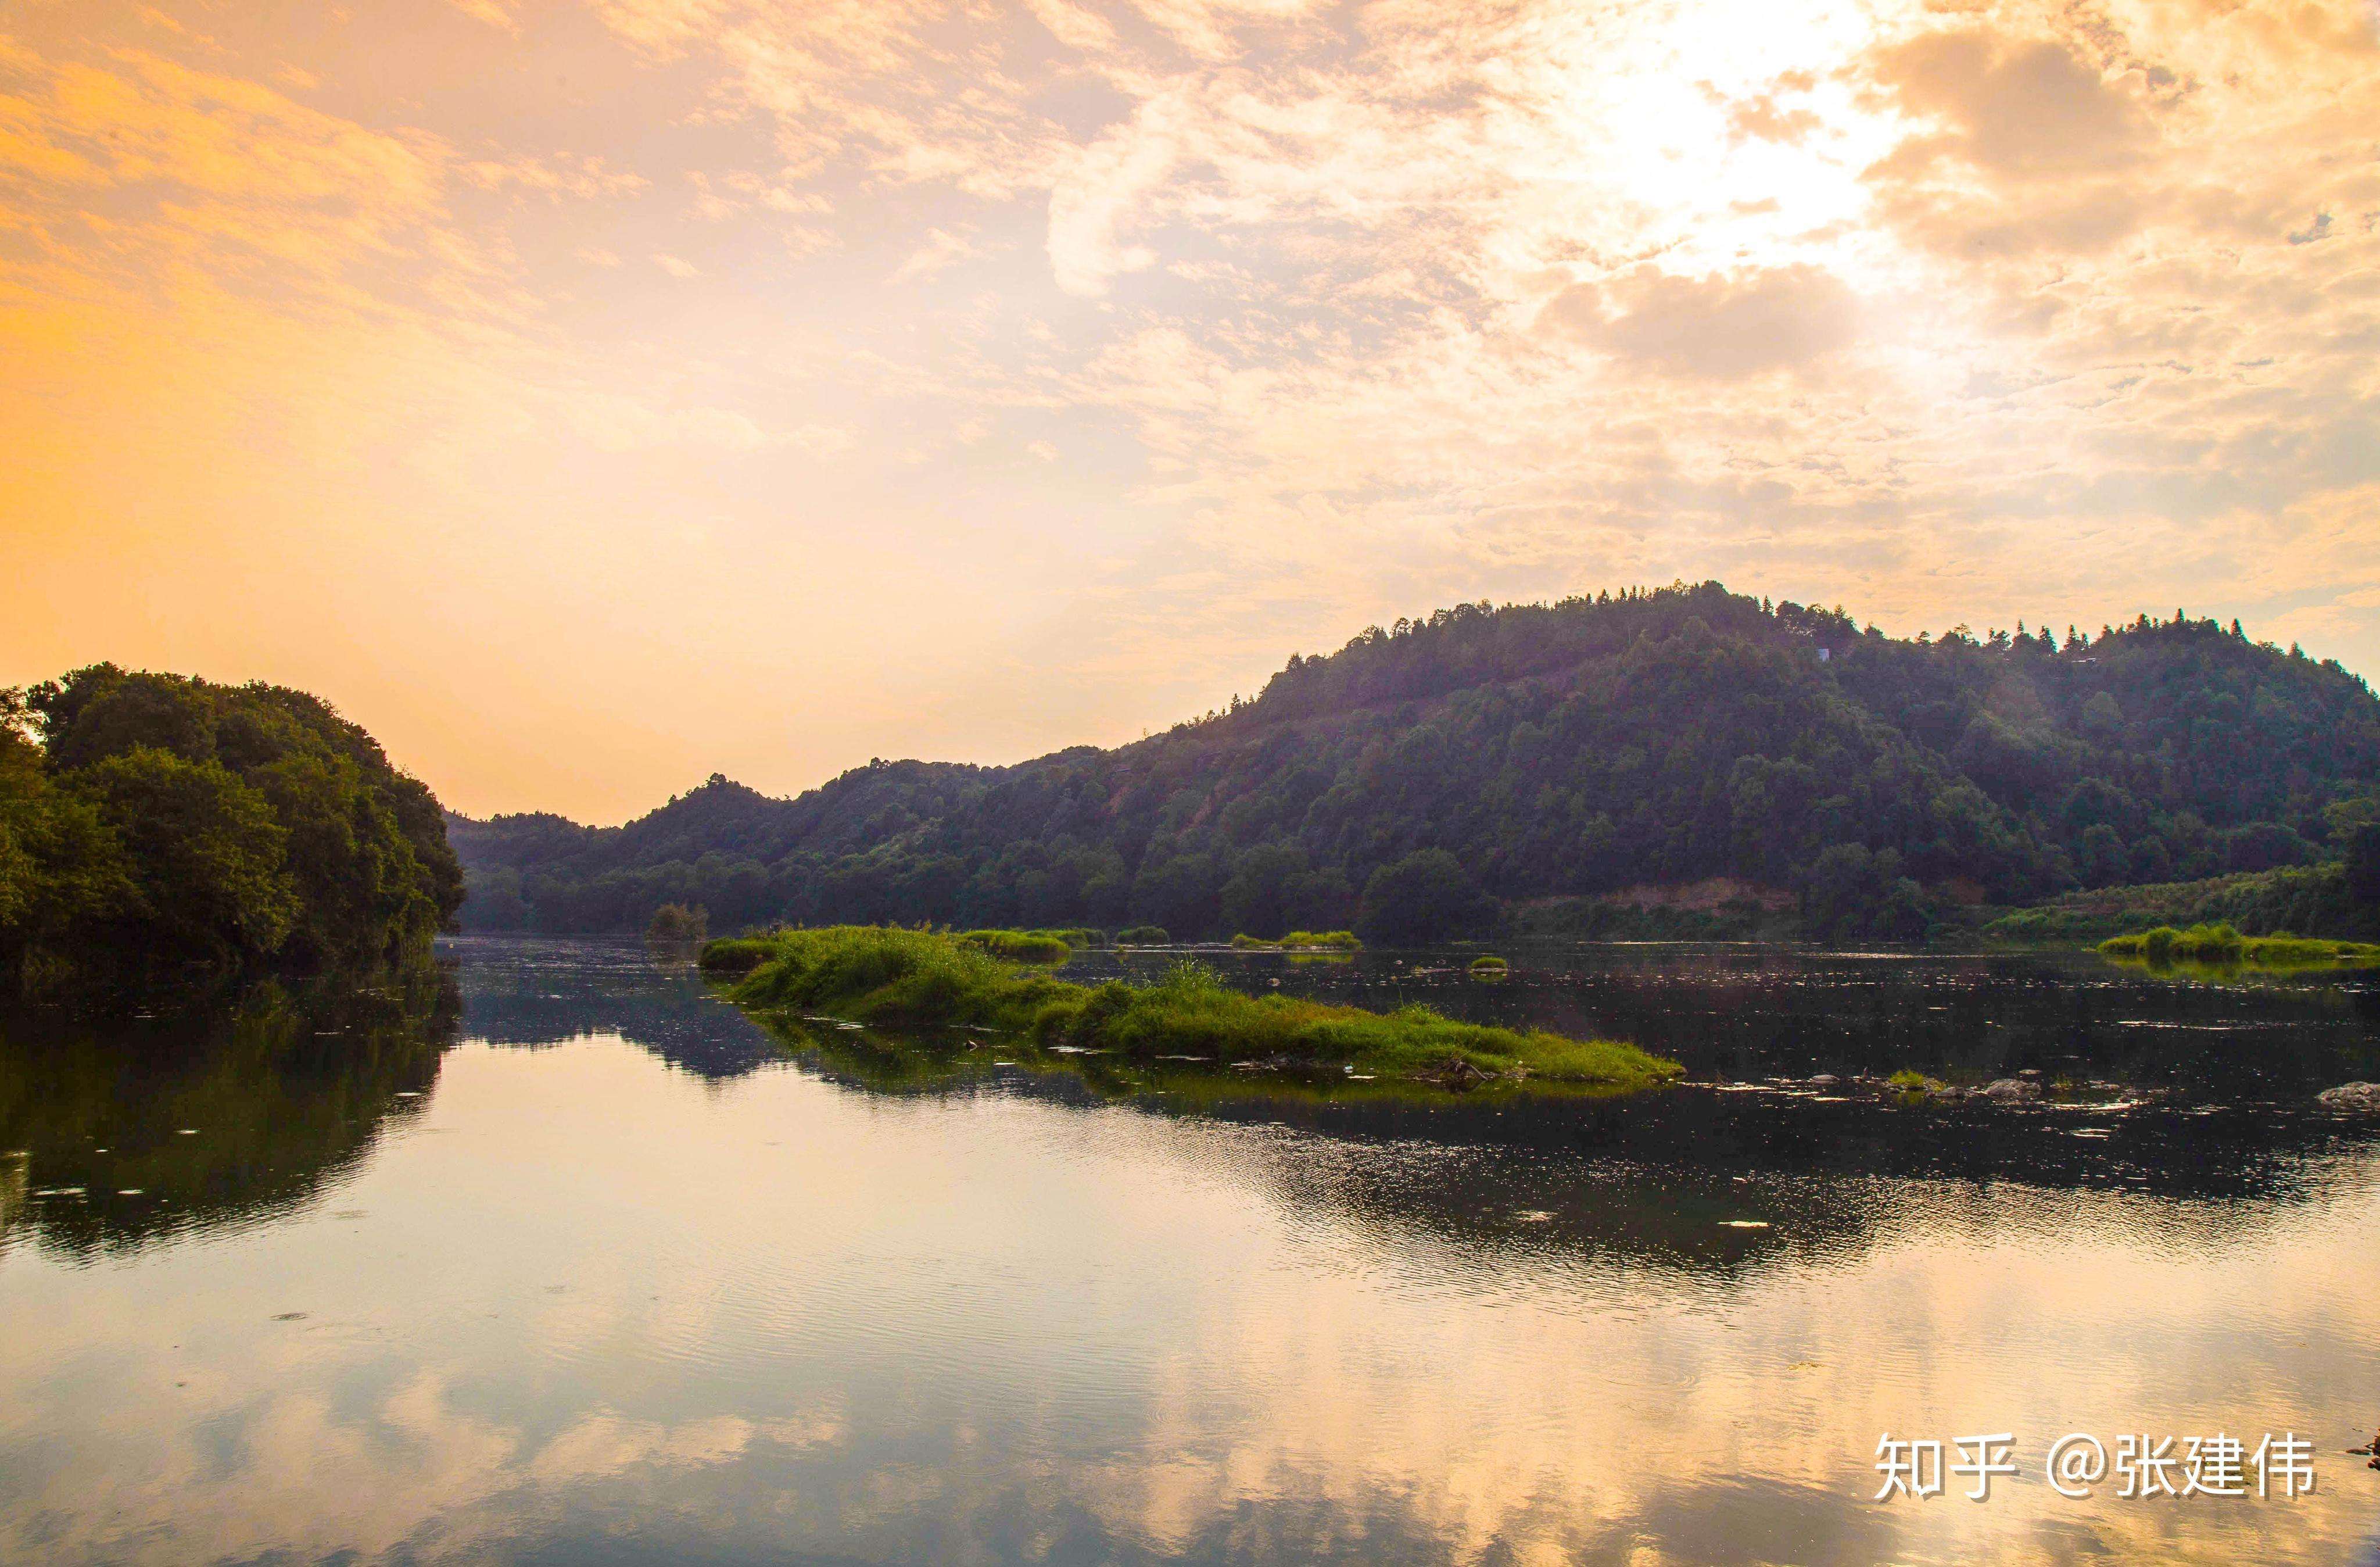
(2013, 1091)
(2358, 1098)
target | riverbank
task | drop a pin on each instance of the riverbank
(921, 979)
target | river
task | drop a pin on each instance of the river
(554, 1256)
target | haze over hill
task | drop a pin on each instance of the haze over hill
(1438, 775)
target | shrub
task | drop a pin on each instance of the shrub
(677, 922)
(1143, 935)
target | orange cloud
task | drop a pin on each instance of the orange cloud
(1329, 316)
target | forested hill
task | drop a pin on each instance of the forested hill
(1427, 777)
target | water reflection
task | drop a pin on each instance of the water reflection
(631, 1287)
(534, 991)
(222, 1112)
(121, 1131)
(1750, 1013)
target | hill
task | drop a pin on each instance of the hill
(1428, 777)
(152, 822)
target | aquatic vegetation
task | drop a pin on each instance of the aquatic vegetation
(1907, 1081)
(1143, 935)
(1300, 942)
(2218, 945)
(1489, 968)
(922, 978)
(1019, 947)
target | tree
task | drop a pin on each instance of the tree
(207, 853)
(1560, 750)
(159, 818)
(1851, 892)
(1255, 900)
(2363, 863)
(1428, 896)
(60, 867)
(360, 886)
(677, 922)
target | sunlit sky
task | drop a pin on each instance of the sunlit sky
(589, 396)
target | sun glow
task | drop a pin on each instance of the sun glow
(1135, 344)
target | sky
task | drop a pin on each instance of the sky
(587, 395)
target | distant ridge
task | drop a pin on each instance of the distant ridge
(1438, 774)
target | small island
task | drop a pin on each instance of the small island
(923, 979)
(2222, 946)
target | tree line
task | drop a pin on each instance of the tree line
(1430, 776)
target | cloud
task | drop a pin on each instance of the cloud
(1102, 188)
(1763, 118)
(2024, 108)
(1333, 312)
(493, 12)
(941, 248)
(1713, 326)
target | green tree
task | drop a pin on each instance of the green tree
(1255, 900)
(1428, 896)
(60, 865)
(2363, 862)
(1851, 892)
(159, 817)
(208, 857)
(360, 889)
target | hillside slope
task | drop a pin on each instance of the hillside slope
(1424, 774)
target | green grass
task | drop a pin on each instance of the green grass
(1300, 942)
(738, 954)
(2217, 945)
(1019, 947)
(920, 978)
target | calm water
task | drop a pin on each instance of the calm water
(560, 1260)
